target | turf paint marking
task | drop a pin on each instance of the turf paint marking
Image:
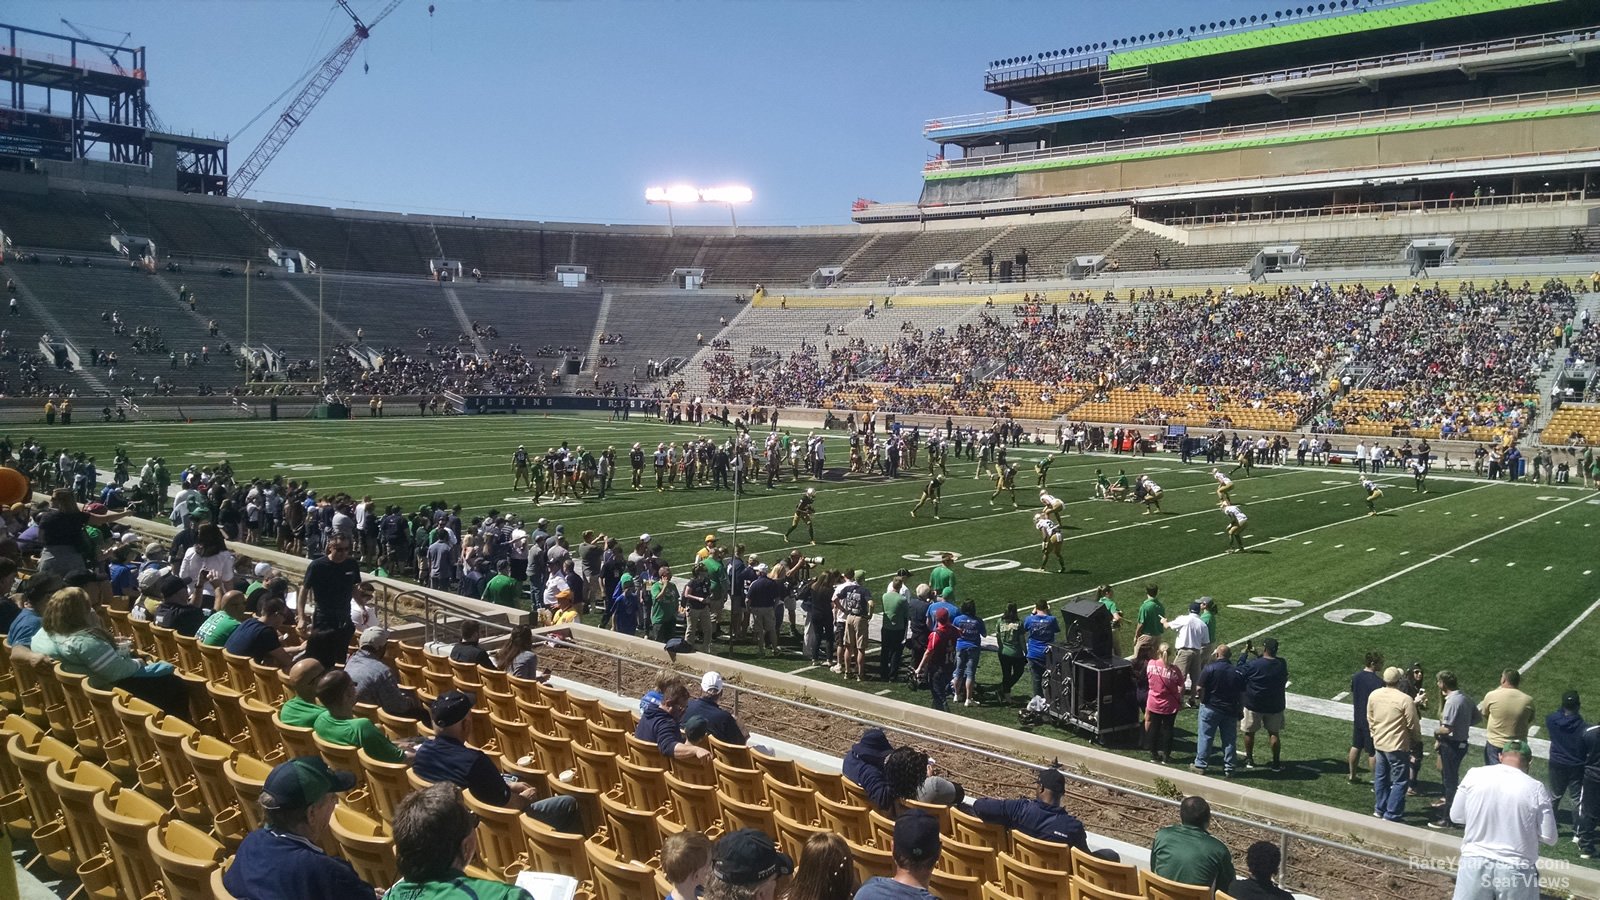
(1409, 569)
(1422, 626)
(1558, 638)
(1341, 696)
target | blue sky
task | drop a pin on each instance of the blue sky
(568, 109)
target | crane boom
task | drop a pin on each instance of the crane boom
(293, 115)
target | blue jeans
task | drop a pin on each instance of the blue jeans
(1037, 665)
(1478, 878)
(1491, 754)
(1211, 723)
(1391, 773)
(560, 813)
(967, 664)
(939, 685)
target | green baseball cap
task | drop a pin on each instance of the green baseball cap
(300, 783)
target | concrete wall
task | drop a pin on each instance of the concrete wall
(1419, 224)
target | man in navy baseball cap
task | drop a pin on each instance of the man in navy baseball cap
(284, 857)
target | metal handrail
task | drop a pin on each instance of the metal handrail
(1350, 209)
(1271, 78)
(1267, 128)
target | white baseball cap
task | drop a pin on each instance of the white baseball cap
(711, 683)
(263, 569)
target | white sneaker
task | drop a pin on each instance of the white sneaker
(835, 669)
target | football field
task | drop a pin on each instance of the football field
(1472, 576)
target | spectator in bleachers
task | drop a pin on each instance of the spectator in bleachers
(375, 682)
(746, 866)
(1187, 852)
(435, 838)
(257, 636)
(446, 757)
(180, 606)
(1261, 860)
(71, 633)
(34, 594)
(216, 629)
(686, 861)
(467, 649)
(1040, 817)
(339, 724)
(660, 723)
(302, 710)
(718, 722)
(916, 850)
(826, 870)
(863, 765)
(283, 859)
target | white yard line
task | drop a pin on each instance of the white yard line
(1407, 570)
(1558, 638)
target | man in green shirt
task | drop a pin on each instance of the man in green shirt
(1110, 604)
(339, 724)
(502, 589)
(717, 580)
(230, 612)
(302, 710)
(943, 576)
(435, 837)
(1187, 853)
(663, 605)
(1152, 619)
(893, 635)
(1208, 615)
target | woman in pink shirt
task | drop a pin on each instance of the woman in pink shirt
(1162, 705)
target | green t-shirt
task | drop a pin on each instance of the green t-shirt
(300, 713)
(940, 578)
(357, 732)
(1210, 618)
(1110, 605)
(214, 631)
(455, 886)
(1150, 614)
(1012, 639)
(501, 589)
(663, 602)
(1192, 856)
(894, 611)
(714, 573)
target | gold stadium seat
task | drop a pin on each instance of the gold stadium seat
(15, 805)
(737, 814)
(870, 861)
(186, 857)
(344, 758)
(214, 665)
(1157, 888)
(208, 758)
(618, 717)
(501, 846)
(633, 831)
(218, 890)
(554, 697)
(792, 835)
(827, 784)
(366, 844)
(948, 886)
(1027, 882)
(1100, 873)
(86, 731)
(696, 769)
(241, 678)
(641, 751)
(845, 819)
(189, 658)
(587, 707)
(974, 860)
(133, 713)
(554, 851)
(398, 728)
(76, 787)
(466, 675)
(128, 817)
(298, 741)
(56, 713)
(882, 828)
(744, 785)
(270, 687)
(501, 703)
(536, 714)
(965, 826)
(994, 892)
(49, 828)
(694, 806)
(232, 726)
(615, 878)
(798, 803)
(587, 798)
(643, 787)
(266, 740)
(512, 736)
(386, 782)
(247, 776)
(1083, 889)
(611, 740)
(733, 754)
(119, 757)
(554, 754)
(596, 768)
(168, 734)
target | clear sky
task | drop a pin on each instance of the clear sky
(568, 109)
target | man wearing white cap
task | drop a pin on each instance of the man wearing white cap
(719, 723)
(375, 682)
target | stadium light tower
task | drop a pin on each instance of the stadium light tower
(685, 195)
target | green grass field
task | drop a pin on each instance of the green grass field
(1472, 576)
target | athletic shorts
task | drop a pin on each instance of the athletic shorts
(1361, 738)
(1254, 722)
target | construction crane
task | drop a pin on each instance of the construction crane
(149, 114)
(327, 72)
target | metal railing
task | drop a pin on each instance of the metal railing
(1354, 209)
(1272, 78)
(1034, 68)
(1261, 129)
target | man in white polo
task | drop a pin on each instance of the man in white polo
(1193, 636)
(1507, 815)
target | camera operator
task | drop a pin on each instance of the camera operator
(1266, 679)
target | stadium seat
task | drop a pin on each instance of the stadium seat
(298, 741)
(744, 785)
(128, 817)
(994, 892)
(169, 734)
(270, 686)
(1088, 890)
(343, 758)
(737, 814)
(611, 740)
(208, 758)
(247, 775)
(965, 826)
(882, 828)
(231, 726)
(827, 784)
(553, 753)
(50, 833)
(56, 712)
(536, 714)
(554, 851)
(386, 782)
(615, 878)
(134, 713)
(974, 860)
(1027, 882)
(243, 679)
(694, 806)
(737, 755)
(553, 697)
(643, 787)
(596, 768)
(16, 806)
(1116, 877)
(845, 819)
(466, 675)
(265, 738)
(587, 798)
(948, 886)
(633, 830)
(871, 861)
(214, 665)
(218, 890)
(500, 703)
(186, 857)
(189, 658)
(500, 842)
(118, 757)
(641, 751)
(398, 728)
(618, 717)
(696, 769)
(785, 770)
(30, 697)
(75, 788)
(1157, 888)
(86, 730)
(586, 707)
(792, 835)
(798, 803)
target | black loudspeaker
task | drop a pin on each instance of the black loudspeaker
(1105, 694)
(1088, 628)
